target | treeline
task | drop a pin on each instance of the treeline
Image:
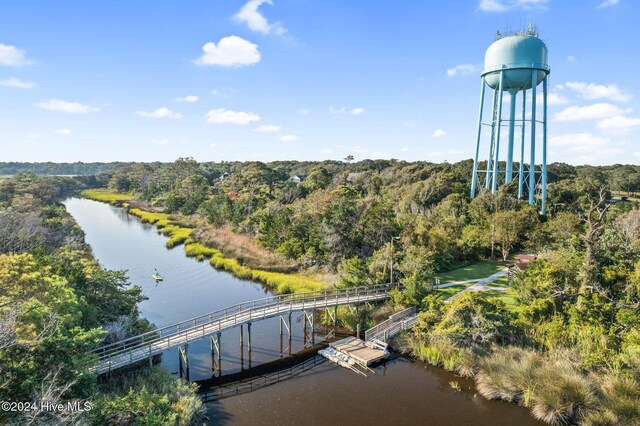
(321, 214)
(56, 305)
(48, 168)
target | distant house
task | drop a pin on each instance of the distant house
(299, 178)
(224, 176)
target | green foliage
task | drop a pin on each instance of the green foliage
(471, 321)
(353, 273)
(150, 397)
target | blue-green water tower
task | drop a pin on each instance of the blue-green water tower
(515, 63)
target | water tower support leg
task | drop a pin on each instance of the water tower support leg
(512, 117)
(521, 172)
(544, 145)
(474, 178)
(487, 182)
(494, 182)
(532, 160)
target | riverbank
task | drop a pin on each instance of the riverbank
(181, 232)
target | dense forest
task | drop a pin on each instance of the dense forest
(566, 345)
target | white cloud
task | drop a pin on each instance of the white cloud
(552, 99)
(607, 3)
(160, 113)
(492, 6)
(598, 91)
(255, 20)
(225, 116)
(213, 145)
(360, 149)
(583, 148)
(571, 58)
(337, 111)
(159, 141)
(409, 123)
(578, 142)
(65, 106)
(63, 132)
(618, 124)
(14, 82)
(268, 128)
(12, 56)
(303, 111)
(326, 151)
(589, 112)
(357, 111)
(189, 99)
(505, 5)
(438, 133)
(289, 138)
(32, 136)
(462, 69)
(231, 51)
(556, 99)
(404, 149)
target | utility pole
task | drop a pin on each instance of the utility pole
(393, 239)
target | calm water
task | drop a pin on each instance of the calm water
(402, 392)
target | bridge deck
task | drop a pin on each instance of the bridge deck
(138, 348)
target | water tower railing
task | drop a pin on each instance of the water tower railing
(521, 65)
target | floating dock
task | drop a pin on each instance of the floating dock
(352, 352)
(364, 353)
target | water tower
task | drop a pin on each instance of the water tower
(514, 63)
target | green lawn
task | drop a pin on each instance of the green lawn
(508, 297)
(500, 282)
(473, 271)
(445, 293)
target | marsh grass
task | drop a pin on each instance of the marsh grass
(508, 374)
(620, 396)
(106, 196)
(552, 386)
(244, 249)
(442, 354)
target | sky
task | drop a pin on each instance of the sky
(154, 80)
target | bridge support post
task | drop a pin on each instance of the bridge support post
(249, 339)
(183, 357)
(308, 319)
(216, 364)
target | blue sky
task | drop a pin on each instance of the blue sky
(301, 79)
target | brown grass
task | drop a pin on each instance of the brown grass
(243, 248)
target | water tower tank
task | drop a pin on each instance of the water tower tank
(514, 64)
(518, 54)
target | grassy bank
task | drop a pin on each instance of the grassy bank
(179, 233)
(106, 196)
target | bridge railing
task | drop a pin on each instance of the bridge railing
(392, 325)
(152, 342)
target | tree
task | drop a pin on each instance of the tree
(595, 221)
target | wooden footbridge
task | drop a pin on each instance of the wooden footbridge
(144, 346)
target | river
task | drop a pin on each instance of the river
(401, 392)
